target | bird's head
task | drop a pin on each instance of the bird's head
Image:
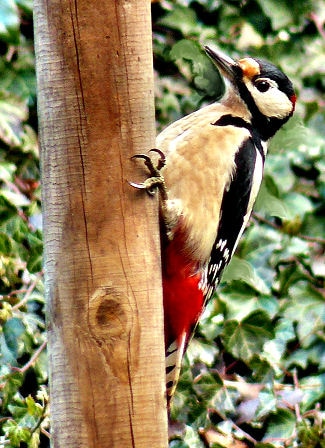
(267, 92)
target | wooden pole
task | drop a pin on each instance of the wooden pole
(102, 259)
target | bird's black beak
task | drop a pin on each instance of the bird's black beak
(227, 66)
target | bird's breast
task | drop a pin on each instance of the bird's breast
(199, 167)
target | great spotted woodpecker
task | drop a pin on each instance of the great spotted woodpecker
(209, 173)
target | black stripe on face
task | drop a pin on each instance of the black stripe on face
(264, 126)
(233, 210)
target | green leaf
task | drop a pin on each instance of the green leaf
(307, 308)
(6, 245)
(18, 80)
(205, 75)
(183, 19)
(277, 167)
(278, 12)
(13, 329)
(280, 425)
(12, 382)
(16, 198)
(292, 135)
(34, 441)
(7, 169)
(12, 113)
(201, 351)
(297, 205)
(192, 439)
(275, 349)
(269, 204)
(26, 5)
(7, 209)
(246, 338)
(240, 269)
(16, 433)
(267, 404)
(224, 401)
(9, 21)
(208, 385)
(33, 408)
(240, 301)
(310, 436)
(313, 388)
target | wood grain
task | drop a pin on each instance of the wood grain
(102, 259)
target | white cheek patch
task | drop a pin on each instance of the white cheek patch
(272, 103)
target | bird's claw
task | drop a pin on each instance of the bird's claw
(162, 160)
(148, 162)
(149, 185)
(156, 179)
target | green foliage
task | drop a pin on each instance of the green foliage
(254, 374)
(23, 371)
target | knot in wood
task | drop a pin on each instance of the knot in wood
(108, 319)
(114, 331)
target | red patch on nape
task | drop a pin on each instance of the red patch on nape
(293, 99)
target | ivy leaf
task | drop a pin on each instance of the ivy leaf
(26, 5)
(13, 329)
(206, 77)
(7, 169)
(9, 21)
(15, 433)
(12, 113)
(246, 338)
(307, 308)
(13, 382)
(313, 388)
(6, 244)
(280, 425)
(181, 18)
(7, 209)
(240, 300)
(207, 385)
(33, 408)
(239, 269)
(274, 349)
(270, 204)
(279, 13)
(16, 198)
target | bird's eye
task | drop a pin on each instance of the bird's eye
(262, 86)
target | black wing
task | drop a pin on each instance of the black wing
(234, 209)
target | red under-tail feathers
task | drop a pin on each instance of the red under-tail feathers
(183, 304)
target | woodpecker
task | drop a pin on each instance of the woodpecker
(209, 172)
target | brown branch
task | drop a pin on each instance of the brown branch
(280, 228)
(32, 359)
(28, 292)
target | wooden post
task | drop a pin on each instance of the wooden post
(102, 259)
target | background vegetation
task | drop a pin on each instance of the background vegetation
(255, 373)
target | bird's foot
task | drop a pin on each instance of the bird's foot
(156, 179)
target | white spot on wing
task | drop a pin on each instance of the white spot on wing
(221, 244)
(226, 254)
